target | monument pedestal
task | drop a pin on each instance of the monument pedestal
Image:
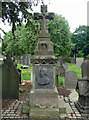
(44, 112)
(44, 103)
(44, 97)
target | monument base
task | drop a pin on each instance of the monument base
(42, 103)
(44, 112)
(44, 97)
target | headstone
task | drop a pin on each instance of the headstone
(83, 85)
(66, 67)
(71, 79)
(25, 60)
(44, 63)
(29, 62)
(85, 68)
(60, 71)
(79, 61)
(10, 79)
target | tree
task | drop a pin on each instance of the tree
(15, 11)
(23, 43)
(80, 38)
(60, 36)
(26, 37)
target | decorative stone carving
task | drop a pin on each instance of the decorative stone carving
(43, 73)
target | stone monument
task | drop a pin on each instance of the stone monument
(10, 79)
(43, 100)
(83, 85)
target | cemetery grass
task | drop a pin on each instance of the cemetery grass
(72, 67)
(25, 73)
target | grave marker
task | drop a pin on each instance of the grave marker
(44, 72)
(79, 61)
(66, 67)
(71, 79)
(10, 79)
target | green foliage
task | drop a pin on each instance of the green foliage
(12, 9)
(23, 43)
(60, 36)
(80, 54)
(72, 67)
(26, 36)
(60, 80)
(25, 72)
(87, 56)
(81, 40)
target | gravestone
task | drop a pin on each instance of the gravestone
(25, 59)
(66, 67)
(71, 79)
(10, 79)
(83, 85)
(79, 61)
(44, 92)
(29, 57)
(85, 68)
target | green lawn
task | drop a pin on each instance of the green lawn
(27, 75)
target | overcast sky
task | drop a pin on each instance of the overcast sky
(75, 12)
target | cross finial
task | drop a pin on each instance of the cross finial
(44, 9)
(43, 16)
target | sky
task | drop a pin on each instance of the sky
(74, 11)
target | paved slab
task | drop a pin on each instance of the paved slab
(72, 113)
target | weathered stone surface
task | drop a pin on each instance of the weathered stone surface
(61, 106)
(10, 79)
(44, 112)
(44, 52)
(44, 77)
(83, 84)
(43, 118)
(74, 95)
(60, 71)
(46, 97)
(79, 61)
(66, 67)
(43, 97)
(70, 79)
(85, 68)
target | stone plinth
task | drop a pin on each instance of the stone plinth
(46, 97)
(44, 112)
(43, 99)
